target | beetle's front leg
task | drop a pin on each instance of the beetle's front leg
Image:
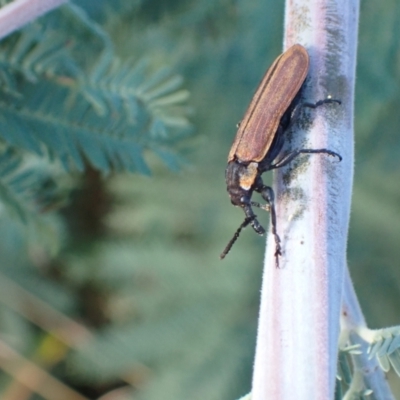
(252, 218)
(268, 195)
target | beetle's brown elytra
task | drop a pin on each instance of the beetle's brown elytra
(273, 97)
(260, 138)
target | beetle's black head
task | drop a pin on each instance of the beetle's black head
(240, 179)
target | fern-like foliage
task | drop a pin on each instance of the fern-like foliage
(385, 347)
(19, 184)
(351, 383)
(28, 188)
(366, 350)
(63, 93)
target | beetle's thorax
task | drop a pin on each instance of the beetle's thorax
(240, 179)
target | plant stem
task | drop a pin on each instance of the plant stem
(15, 15)
(297, 344)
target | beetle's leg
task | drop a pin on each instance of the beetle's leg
(328, 100)
(253, 219)
(292, 155)
(297, 108)
(265, 207)
(268, 195)
(235, 236)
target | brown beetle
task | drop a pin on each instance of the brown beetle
(260, 138)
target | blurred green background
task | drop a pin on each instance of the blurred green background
(136, 293)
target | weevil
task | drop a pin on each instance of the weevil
(260, 137)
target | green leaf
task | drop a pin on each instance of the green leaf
(85, 107)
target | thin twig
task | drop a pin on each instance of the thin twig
(33, 377)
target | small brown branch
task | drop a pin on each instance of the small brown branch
(41, 314)
(33, 378)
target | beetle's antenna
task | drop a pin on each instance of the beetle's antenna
(228, 247)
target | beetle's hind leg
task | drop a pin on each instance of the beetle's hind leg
(295, 113)
(300, 105)
(268, 195)
(328, 100)
(286, 159)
